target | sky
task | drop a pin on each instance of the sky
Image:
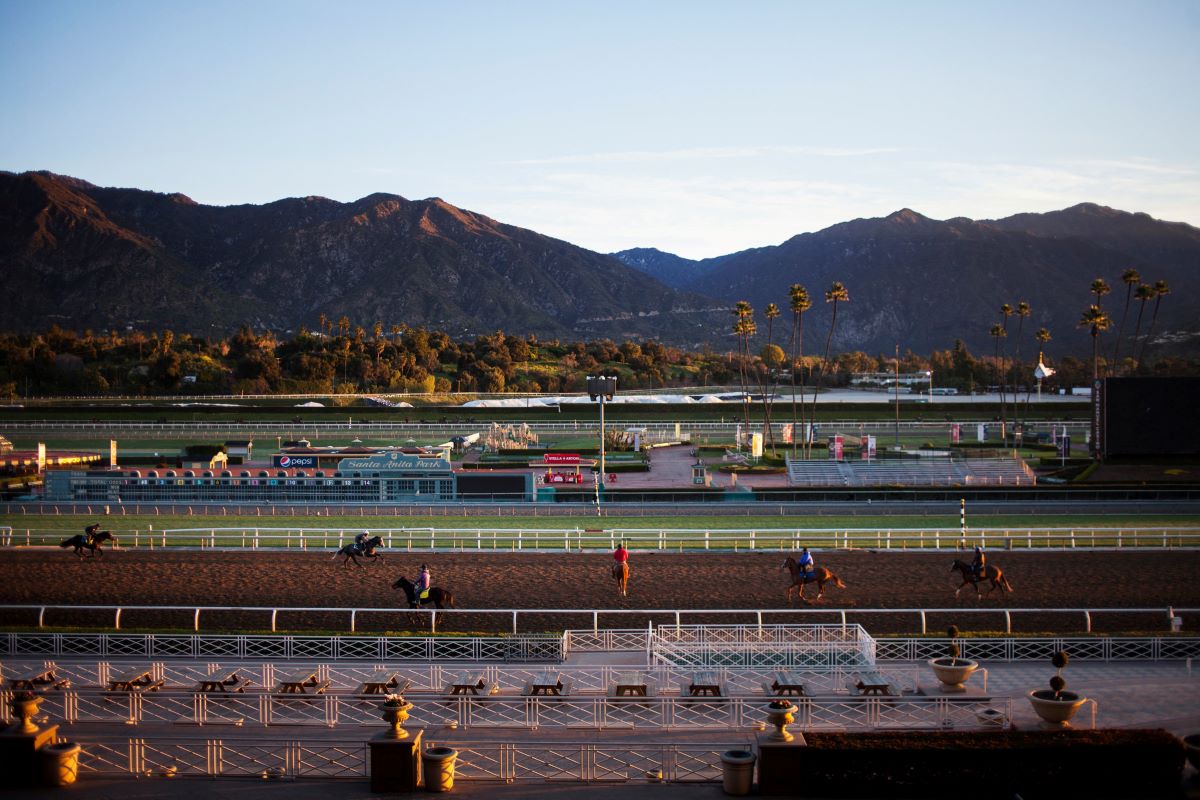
(700, 128)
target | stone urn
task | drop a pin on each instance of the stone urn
(952, 673)
(1055, 709)
(779, 713)
(24, 707)
(395, 712)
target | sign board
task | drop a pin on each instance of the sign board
(868, 449)
(295, 462)
(41, 457)
(112, 452)
(387, 462)
(836, 445)
(560, 458)
(955, 433)
(787, 433)
(756, 445)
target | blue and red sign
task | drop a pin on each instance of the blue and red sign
(295, 462)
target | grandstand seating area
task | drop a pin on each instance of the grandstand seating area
(911, 472)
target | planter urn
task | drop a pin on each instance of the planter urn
(952, 673)
(1055, 710)
(395, 712)
(779, 713)
(24, 709)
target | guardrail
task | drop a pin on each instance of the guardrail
(672, 617)
(483, 539)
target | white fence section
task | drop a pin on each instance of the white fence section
(509, 762)
(792, 646)
(481, 539)
(918, 617)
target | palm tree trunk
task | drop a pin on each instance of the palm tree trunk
(1121, 327)
(1150, 332)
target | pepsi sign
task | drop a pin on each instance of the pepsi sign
(295, 462)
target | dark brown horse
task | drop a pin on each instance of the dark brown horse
(820, 576)
(80, 542)
(990, 573)
(442, 598)
(353, 552)
(620, 572)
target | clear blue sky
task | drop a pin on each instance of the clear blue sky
(696, 127)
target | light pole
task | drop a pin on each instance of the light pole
(896, 389)
(602, 388)
(929, 374)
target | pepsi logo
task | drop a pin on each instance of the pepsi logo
(285, 461)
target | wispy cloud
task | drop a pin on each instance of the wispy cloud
(704, 153)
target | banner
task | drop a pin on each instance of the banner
(836, 445)
(868, 448)
(295, 462)
(560, 458)
(955, 433)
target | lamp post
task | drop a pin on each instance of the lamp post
(602, 388)
(896, 389)
(929, 374)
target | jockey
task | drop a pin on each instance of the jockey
(620, 555)
(360, 541)
(977, 563)
(424, 581)
(806, 562)
(89, 533)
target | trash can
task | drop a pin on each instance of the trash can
(737, 768)
(60, 763)
(437, 764)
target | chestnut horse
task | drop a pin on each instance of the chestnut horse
(990, 573)
(819, 576)
(620, 571)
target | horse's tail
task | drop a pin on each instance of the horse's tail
(450, 599)
(67, 542)
(838, 582)
(1004, 580)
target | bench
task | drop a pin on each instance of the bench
(240, 687)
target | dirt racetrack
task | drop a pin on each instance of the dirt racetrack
(746, 581)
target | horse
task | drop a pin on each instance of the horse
(620, 571)
(819, 575)
(352, 552)
(990, 573)
(79, 542)
(442, 598)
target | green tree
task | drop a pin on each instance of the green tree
(1143, 293)
(1096, 320)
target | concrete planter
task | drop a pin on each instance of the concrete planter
(952, 673)
(737, 772)
(60, 763)
(1055, 711)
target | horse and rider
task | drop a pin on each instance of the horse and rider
(422, 591)
(979, 571)
(90, 540)
(363, 547)
(804, 570)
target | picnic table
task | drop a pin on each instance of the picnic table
(134, 679)
(547, 683)
(466, 683)
(784, 683)
(704, 684)
(223, 680)
(37, 678)
(300, 681)
(384, 681)
(631, 684)
(873, 684)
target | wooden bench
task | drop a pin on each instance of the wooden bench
(209, 687)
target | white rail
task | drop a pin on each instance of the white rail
(672, 616)
(485, 539)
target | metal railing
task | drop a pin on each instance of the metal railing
(576, 539)
(265, 756)
(595, 712)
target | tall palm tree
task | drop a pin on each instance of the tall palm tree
(1143, 293)
(1161, 290)
(743, 329)
(998, 332)
(1023, 312)
(1006, 311)
(1099, 288)
(799, 302)
(1131, 279)
(836, 294)
(1096, 319)
(771, 312)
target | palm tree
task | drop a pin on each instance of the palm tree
(1099, 288)
(1006, 311)
(1143, 293)
(1042, 336)
(1023, 312)
(743, 328)
(1131, 279)
(1161, 290)
(836, 294)
(771, 312)
(999, 332)
(800, 302)
(1097, 320)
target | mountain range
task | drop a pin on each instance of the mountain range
(84, 256)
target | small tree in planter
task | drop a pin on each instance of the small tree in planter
(951, 671)
(1056, 706)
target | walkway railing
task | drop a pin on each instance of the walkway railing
(596, 712)
(576, 539)
(524, 761)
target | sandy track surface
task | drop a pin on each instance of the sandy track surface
(747, 581)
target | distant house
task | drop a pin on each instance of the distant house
(240, 451)
(203, 456)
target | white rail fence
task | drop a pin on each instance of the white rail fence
(670, 712)
(45, 614)
(481, 539)
(508, 762)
